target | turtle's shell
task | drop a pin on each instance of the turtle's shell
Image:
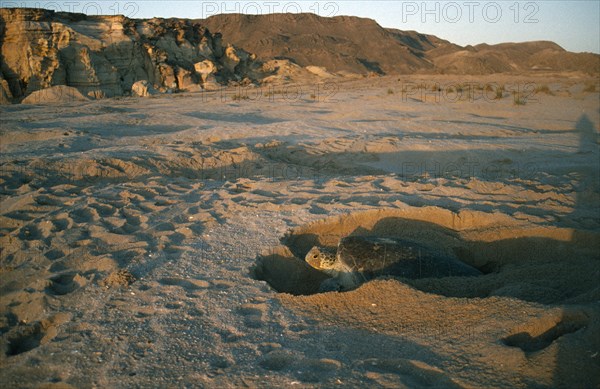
(375, 256)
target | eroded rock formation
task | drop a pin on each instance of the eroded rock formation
(103, 56)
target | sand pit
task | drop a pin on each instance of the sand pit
(505, 249)
(128, 229)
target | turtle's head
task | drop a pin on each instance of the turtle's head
(321, 258)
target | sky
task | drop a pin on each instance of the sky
(575, 25)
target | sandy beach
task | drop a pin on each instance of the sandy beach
(158, 242)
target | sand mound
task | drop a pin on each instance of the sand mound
(495, 335)
(319, 71)
(55, 94)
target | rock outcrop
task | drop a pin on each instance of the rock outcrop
(142, 88)
(5, 94)
(105, 55)
(205, 69)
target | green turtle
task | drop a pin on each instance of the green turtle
(360, 258)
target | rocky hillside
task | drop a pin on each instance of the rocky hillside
(105, 55)
(360, 45)
(514, 57)
(341, 43)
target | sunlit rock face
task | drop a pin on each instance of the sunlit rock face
(103, 56)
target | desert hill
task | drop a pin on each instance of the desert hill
(514, 57)
(104, 56)
(341, 43)
(361, 45)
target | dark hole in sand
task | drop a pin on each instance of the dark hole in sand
(537, 336)
(25, 339)
(65, 283)
(509, 256)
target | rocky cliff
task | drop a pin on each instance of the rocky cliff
(105, 55)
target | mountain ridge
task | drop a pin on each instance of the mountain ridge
(422, 53)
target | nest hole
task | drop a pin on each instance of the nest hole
(508, 253)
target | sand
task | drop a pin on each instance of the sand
(137, 235)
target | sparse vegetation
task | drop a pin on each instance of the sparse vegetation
(390, 91)
(500, 92)
(313, 96)
(518, 99)
(274, 92)
(544, 89)
(590, 88)
(239, 97)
